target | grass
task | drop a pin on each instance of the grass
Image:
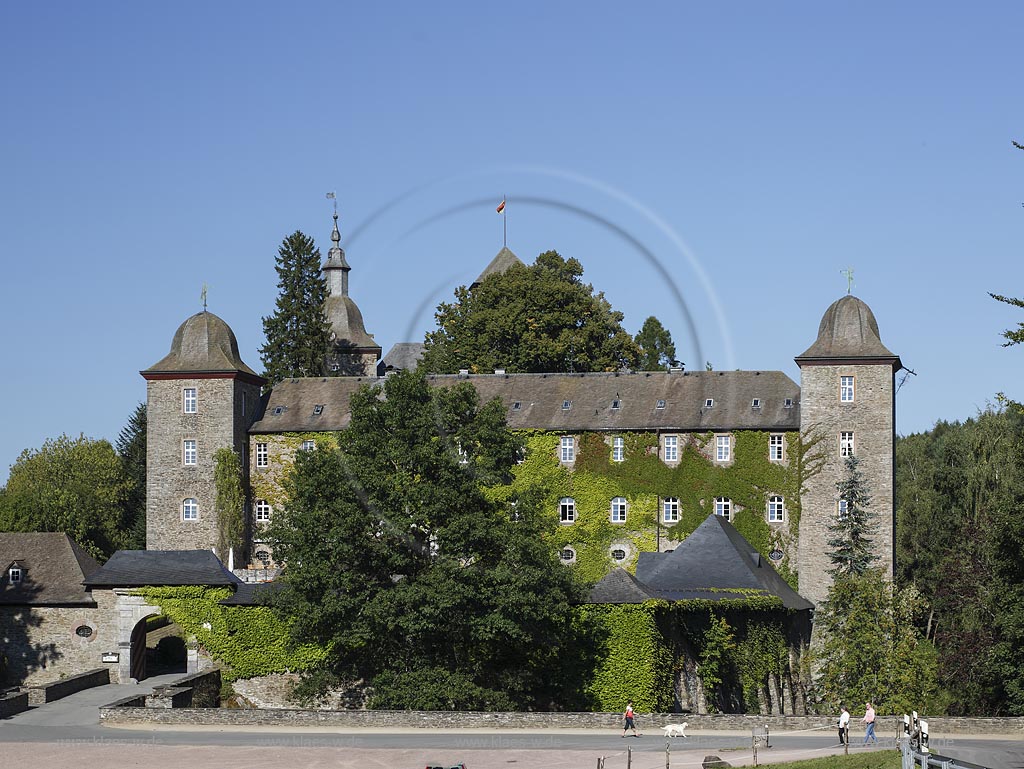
(882, 759)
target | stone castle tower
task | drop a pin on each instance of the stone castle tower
(353, 351)
(847, 396)
(199, 398)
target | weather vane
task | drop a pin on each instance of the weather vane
(848, 272)
(332, 196)
(203, 296)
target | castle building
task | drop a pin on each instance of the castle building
(641, 458)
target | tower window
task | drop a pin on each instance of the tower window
(568, 449)
(723, 448)
(842, 508)
(671, 448)
(189, 400)
(670, 509)
(567, 510)
(618, 510)
(846, 444)
(262, 456)
(190, 510)
(618, 449)
(846, 389)
(723, 507)
(188, 451)
(263, 510)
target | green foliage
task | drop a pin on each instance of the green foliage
(714, 659)
(1013, 335)
(852, 527)
(131, 448)
(643, 477)
(880, 759)
(399, 562)
(229, 503)
(657, 351)
(540, 318)
(74, 485)
(249, 641)
(297, 332)
(434, 689)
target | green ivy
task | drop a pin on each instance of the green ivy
(249, 641)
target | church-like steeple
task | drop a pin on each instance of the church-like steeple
(336, 269)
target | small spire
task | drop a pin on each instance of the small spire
(335, 235)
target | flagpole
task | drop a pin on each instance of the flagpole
(504, 223)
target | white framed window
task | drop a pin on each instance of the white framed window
(567, 510)
(846, 389)
(262, 456)
(618, 553)
(262, 510)
(189, 401)
(188, 451)
(670, 510)
(723, 507)
(618, 449)
(308, 445)
(776, 510)
(618, 510)
(842, 507)
(566, 405)
(568, 450)
(709, 403)
(846, 444)
(14, 575)
(190, 510)
(567, 555)
(671, 448)
(723, 448)
(776, 447)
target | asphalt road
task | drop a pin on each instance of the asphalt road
(67, 733)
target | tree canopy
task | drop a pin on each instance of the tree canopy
(297, 332)
(131, 448)
(401, 565)
(530, 319)
(657, 351)
(73, 485)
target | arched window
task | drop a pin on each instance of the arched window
(190, 510)
(618, 510)
(567, 510)
(776, 510)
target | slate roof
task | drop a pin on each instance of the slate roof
(619, 586)
(155, 568)
(403, 356)
(714, 563)
(252, 593)
(848, 329)
(202, 344)
(347, 323)
(290, 407)
(53, 567)
(501, 262)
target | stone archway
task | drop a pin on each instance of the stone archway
(132, 611)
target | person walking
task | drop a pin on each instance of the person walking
(629, 720)
(844, 725)
(869, 724)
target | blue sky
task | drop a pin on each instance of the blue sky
(720, 162)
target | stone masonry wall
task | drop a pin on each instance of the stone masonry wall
(41, 645)
(871, 418)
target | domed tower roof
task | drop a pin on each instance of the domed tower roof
(203, 344)
(343, 315)
(848, 330)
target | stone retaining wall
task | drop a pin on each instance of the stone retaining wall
(13, 703)
(40, 695)
(355, 719)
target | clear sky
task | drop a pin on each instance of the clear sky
(714, 164)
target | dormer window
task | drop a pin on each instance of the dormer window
(756, 403)
(660, 404)
(318, 409)
(278, 411)
(788, 403)
(616, 404)
(566, 405)
(15, 574)
(709, 403)
(517, 406)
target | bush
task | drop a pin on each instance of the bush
(434, 689)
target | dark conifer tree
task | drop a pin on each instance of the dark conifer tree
(131, 448)
(657, 350)
(852, 526)
(297, 332)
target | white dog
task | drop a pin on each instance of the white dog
(675, 730)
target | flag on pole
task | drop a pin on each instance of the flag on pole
(501, 206)
(330, 196)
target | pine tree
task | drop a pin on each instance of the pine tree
(851, 553)
(297, 332)
(657, 350)
(131, 447)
